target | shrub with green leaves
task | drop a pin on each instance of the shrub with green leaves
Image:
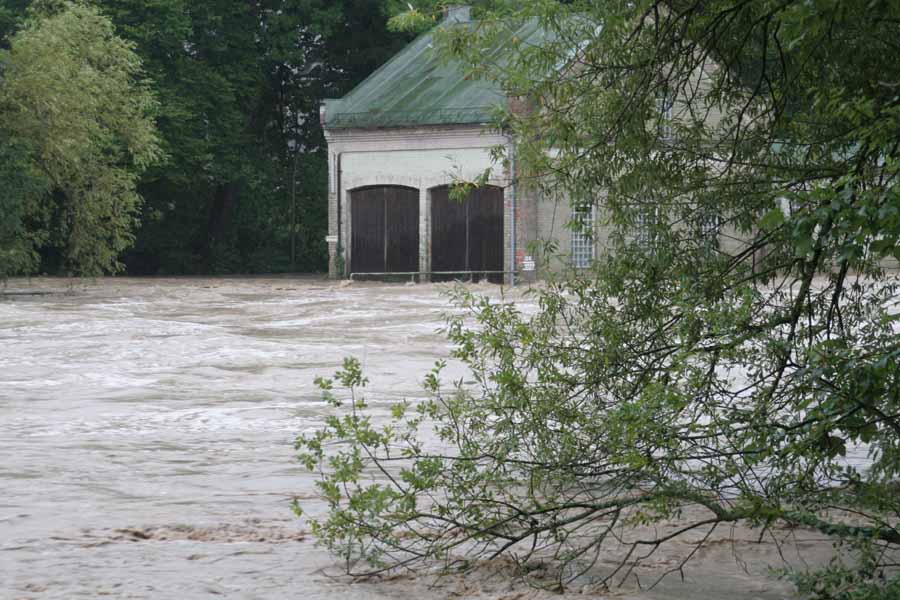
(734, 348)
(81, 120)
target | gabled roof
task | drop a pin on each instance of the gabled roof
(416, 87)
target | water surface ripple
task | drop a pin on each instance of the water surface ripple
(170, 407)
(146, 440)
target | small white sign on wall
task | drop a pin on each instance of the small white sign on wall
(528, 263)
(331, 239)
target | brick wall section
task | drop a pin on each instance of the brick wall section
(527, 206)
(519, 106)
(526, 203)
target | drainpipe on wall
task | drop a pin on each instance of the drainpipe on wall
(512, 191)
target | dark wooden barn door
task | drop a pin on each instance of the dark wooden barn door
(367, 231)
(449, 231)
(385, 230)
(486, 230)
(402, 227)
(467, 236)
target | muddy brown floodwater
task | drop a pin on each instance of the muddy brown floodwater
(146, 431)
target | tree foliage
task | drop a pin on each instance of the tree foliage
(79, 118)
(22, 228)
(736, 339)
(238, 88)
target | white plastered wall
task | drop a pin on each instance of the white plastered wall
(421, 158)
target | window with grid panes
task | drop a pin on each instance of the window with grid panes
(643, 225)
(708, 226)
(664, 105)
(582, 237)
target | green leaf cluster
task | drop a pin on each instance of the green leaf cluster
(751, 377)
(237, 92)
(79, 118)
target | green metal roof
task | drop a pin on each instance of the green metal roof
(416, 87)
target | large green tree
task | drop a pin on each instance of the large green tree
(239, 88)
(79, 130)
(737, 338)
(22, 186)
(240, 85)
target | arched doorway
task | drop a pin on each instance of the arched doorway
(467, 236)
(384, 227)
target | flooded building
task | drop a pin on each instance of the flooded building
(401, 138)
(396, 143)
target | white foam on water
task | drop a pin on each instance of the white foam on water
(176, 401)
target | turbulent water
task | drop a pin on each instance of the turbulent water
(146, 428)
(146, 431)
